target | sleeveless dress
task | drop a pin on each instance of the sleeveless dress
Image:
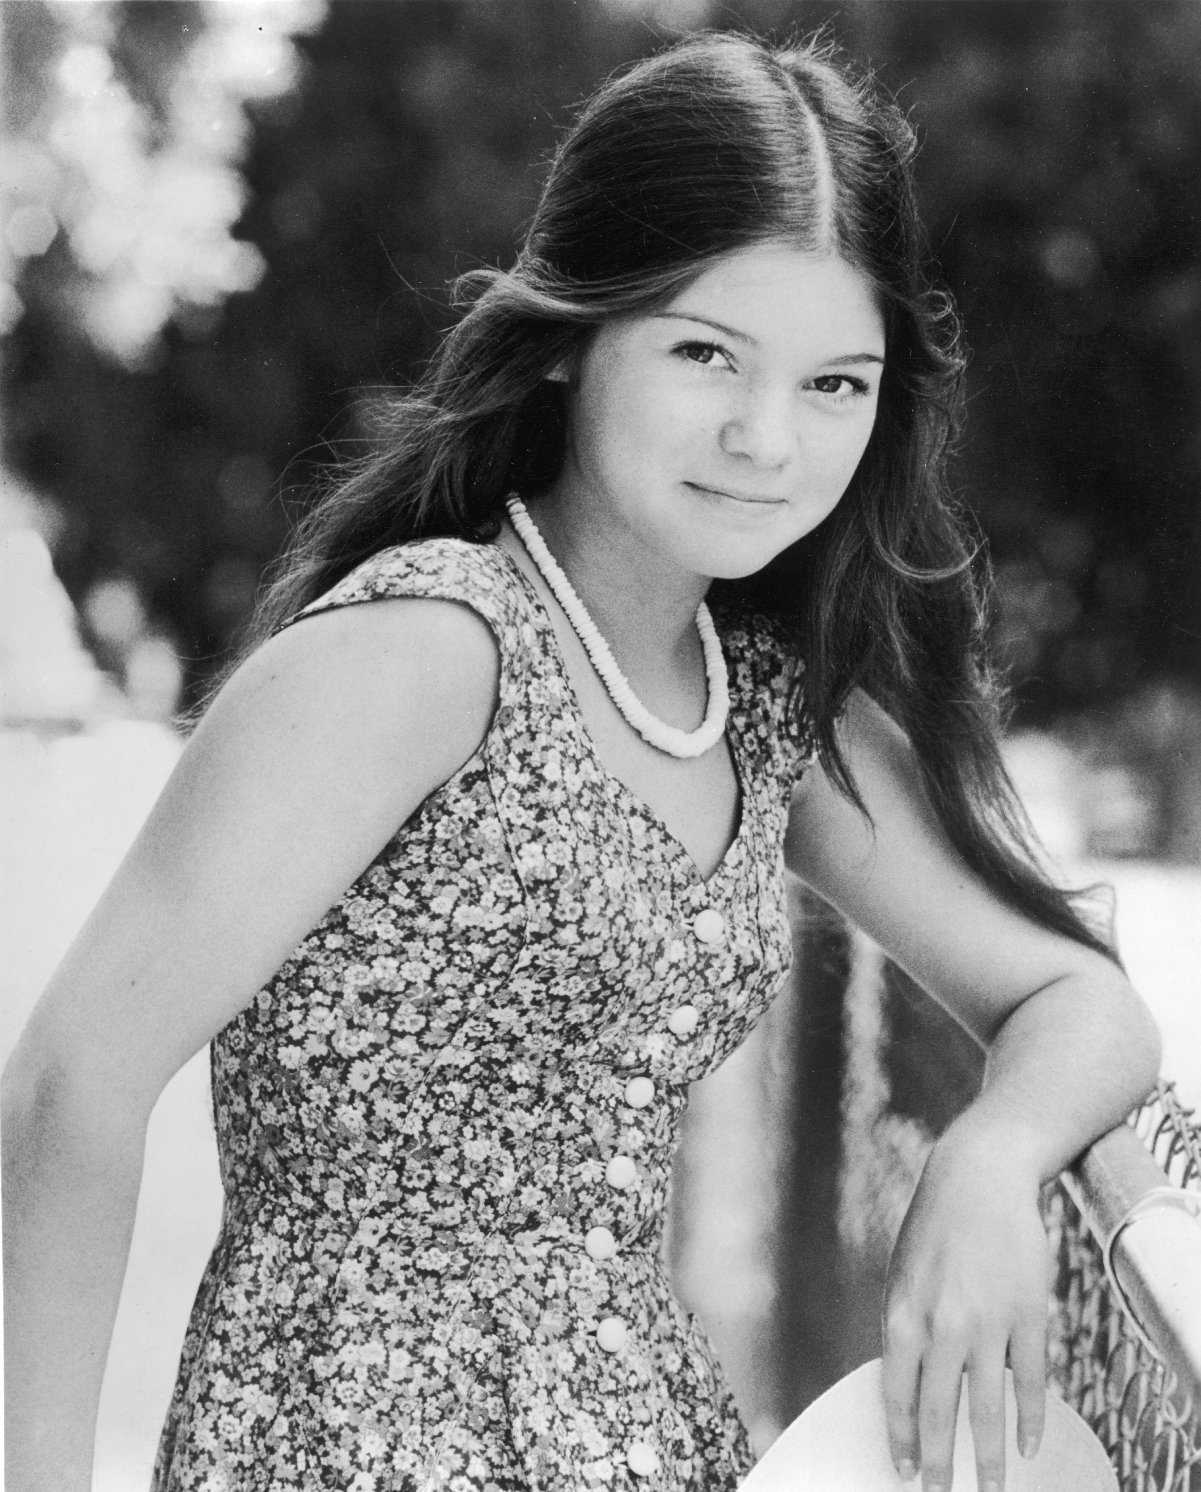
(445, 1126)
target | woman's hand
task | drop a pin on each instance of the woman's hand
(967, 1287)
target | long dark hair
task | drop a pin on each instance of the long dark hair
(716, 144)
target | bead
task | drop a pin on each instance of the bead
(641, 1458)
(611, 1334)
(621, 1172)
(599, 1243)
(639, 1092)
(664, 737)
(709, 925)
(683, 1020)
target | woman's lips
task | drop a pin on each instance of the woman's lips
(738, 497)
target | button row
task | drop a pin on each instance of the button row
(612, 1333)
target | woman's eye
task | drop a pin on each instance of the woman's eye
(841, 385)
(707, 354)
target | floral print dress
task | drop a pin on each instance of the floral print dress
(446, 1125)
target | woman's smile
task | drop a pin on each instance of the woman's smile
(743, 499)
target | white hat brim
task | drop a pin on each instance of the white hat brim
(840, 1444)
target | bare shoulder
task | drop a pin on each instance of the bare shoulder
(343, 722)
(868, 737)
(416, 671)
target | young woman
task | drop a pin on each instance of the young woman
(466, 885)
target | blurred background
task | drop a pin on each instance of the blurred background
(225, 223)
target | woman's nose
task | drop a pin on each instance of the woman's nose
(762, 429)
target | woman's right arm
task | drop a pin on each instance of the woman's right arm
(322, 744)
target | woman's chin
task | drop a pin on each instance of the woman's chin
(742, 536)
(737, 561)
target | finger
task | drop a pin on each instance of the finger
(986, 1414)
(902, 1371)
(1028, 1359)
(938, 1409)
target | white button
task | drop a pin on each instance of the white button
(611, 1334)
(709, 925)
(641, 1458)
(683, 1020)
(599, 1243)
(621, 1172)
(639, 1092)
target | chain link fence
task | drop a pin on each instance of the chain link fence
(1103, 1361)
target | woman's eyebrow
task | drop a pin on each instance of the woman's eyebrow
(718, 326)
(734, 333)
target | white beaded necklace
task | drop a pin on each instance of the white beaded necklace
(657, 732)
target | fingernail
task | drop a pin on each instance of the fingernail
(1028, 1446)
(991, 1485)
(906, 1469)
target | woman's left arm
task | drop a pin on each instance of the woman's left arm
(1071, 1050)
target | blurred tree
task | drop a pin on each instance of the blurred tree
(1059, 178)
(124, 128)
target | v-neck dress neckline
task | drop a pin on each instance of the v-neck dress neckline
(733, 851)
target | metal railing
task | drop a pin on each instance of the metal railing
(1126, 1315)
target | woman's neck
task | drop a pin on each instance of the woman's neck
(645, 613)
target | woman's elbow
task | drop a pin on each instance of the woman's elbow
(58, 1118)
(1147, 1044)
(1135, 1034)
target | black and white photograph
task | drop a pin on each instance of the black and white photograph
(600, 745)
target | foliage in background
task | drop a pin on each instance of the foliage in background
(172, 386)
(1060, 180)
(125, 128)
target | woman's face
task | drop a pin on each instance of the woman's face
(718, 430)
